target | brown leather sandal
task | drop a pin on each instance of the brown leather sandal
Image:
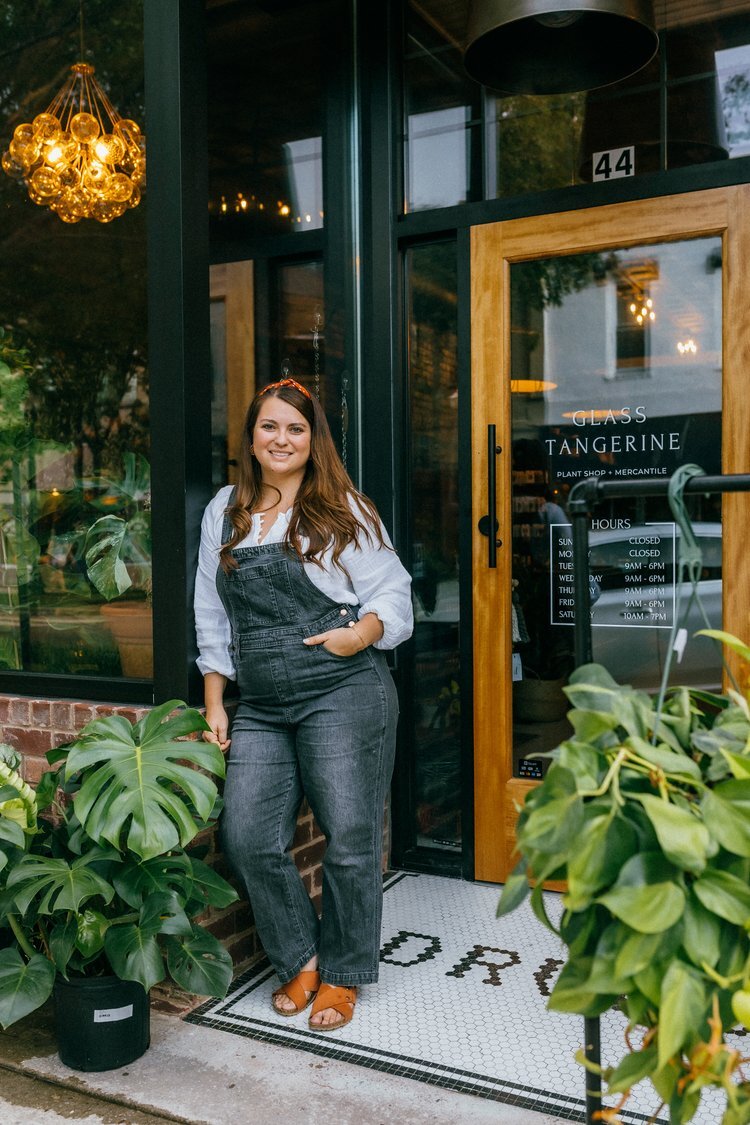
(300, 990)
(342, 1000)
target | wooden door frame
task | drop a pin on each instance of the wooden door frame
(723, 212)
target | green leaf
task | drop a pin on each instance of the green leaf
(212, 887)
(684, 839)
(12, 833)
(636, 1066)
(607, 844)
(194, 883)
(592, 726)
(726, 811)
(90, 930)
(672, 763)
(649, 980)
(585, 763)
(665, 1081)
(637, 952)
(134, 882)
(46, 789)
(56, 883)
(727, 639)
(650, 909)
(739, 765)
(593, 676)
(553, 824)
(24, 985)
(62, 941)
(539, 908)
(724, 894)
(646, 866)
(514, 892)
(701, 933)
(134, 954)
(571, 994)
(638, 1007)
(604, 976)
(682, 1011)
(106, 570)
(165, 912)
(141, 796)
(199, 963)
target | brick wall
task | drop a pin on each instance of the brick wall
(34, 726)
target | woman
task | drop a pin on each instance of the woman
(298, 593)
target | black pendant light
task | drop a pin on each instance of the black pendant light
(557, 46)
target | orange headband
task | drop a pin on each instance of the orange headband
(286, 383)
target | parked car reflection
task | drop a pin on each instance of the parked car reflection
(631, 633)
(632, 620)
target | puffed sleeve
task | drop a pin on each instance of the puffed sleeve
(382, 586)
(212, 628)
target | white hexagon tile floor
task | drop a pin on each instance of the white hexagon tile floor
(461, 1003)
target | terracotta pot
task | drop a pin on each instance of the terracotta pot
(131, 624)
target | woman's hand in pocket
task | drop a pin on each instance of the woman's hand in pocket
(341, 642)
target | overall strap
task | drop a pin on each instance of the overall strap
(226, 527)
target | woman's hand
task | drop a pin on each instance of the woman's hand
(350, 639)
(341, 642)
(217, 719)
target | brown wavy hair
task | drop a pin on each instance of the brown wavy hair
(321, 513)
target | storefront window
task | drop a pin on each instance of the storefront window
(266, 89)
(689, 105)
(441, 125)
(75, 545)
(433, 472)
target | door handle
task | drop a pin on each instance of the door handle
(488, 524)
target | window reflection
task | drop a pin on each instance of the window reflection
(433, 399)
(689, 105)
(266, 129)
(75, 542)
(604, 383)
(441, 131)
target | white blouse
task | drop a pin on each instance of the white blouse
(377, 582)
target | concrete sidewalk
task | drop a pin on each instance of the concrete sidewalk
(205, 1076)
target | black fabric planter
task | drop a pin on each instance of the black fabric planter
(102, 1022)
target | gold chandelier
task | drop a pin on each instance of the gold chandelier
(79, 157)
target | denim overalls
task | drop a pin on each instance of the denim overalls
(311, 724)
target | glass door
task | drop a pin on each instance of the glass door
(606, 342)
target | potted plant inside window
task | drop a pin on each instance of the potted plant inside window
(99, 890)
(117, 552)
(646, 817)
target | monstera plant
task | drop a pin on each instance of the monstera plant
(645, 815)
(97, 875)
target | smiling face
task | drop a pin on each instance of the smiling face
(281, 441)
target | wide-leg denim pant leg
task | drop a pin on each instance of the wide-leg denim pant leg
(338, 749)
(346, 748)
(262, 797)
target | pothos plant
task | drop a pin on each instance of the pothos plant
(96, 875)
(646, 818)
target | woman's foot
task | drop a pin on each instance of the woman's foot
(296, 994)
(332, 1008)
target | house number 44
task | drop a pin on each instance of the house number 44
(614, 163)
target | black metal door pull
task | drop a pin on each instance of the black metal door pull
(490, 521)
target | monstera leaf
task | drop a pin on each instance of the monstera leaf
(56, 884)
(139, 794)
(24, 985)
